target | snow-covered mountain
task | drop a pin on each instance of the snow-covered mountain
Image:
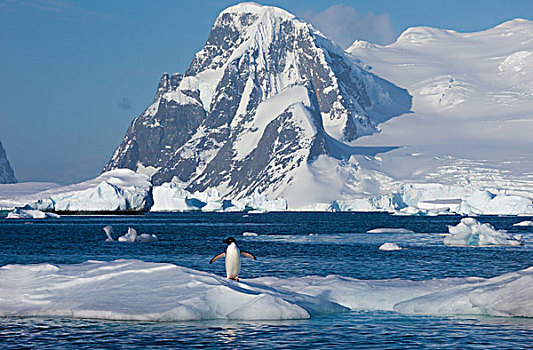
(271, 114)
(6, 172)
(269, 104)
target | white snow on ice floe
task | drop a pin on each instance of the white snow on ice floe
(524, 223)
(389, 247)
(390, 230)
(137, 290)
(469, 232)
(21, 213)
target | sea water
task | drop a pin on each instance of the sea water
(287, 245)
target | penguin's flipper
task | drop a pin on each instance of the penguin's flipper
(219, 256)
(248, 255)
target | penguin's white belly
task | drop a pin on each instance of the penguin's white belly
(233, 261)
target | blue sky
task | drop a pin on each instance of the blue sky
(74, 74)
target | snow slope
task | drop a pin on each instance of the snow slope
(137, 290)
(473, 113)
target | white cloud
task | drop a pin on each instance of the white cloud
(344, 25)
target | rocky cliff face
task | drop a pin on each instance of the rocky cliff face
(265, 98)
(6, 172)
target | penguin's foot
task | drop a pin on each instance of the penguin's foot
(234, 278)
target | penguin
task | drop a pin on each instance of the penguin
(233, 258)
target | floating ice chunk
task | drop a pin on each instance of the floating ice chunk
(118, 290)
(390, 230)
(109, 233)
(131, 237)
(524, 223)
(389, 246)
(28, 213)
(146, 238)
(469, 232)
(250, 234)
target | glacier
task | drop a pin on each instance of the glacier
(472, 97)
(122, 289)
(127, 191)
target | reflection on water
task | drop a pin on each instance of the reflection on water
(353, 329)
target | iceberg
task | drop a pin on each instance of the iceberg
(116, 190)
(146, 291)
(28, 213)
(469, 232)
(172, 196)
(16, 194)
(524, 223)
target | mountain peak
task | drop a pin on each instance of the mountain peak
(265, 97)
(256, 9)
(6, 172)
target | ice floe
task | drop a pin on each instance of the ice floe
(390, 230)
(250, 234)
(389, 246)
(470, 232)
(131, 236)
(28, 213)
(524, 223)
(145, 291)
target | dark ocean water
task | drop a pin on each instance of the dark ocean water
(287, 245)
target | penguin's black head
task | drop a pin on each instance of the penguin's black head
(229, 240)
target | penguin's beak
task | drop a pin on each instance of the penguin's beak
(225, 241)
